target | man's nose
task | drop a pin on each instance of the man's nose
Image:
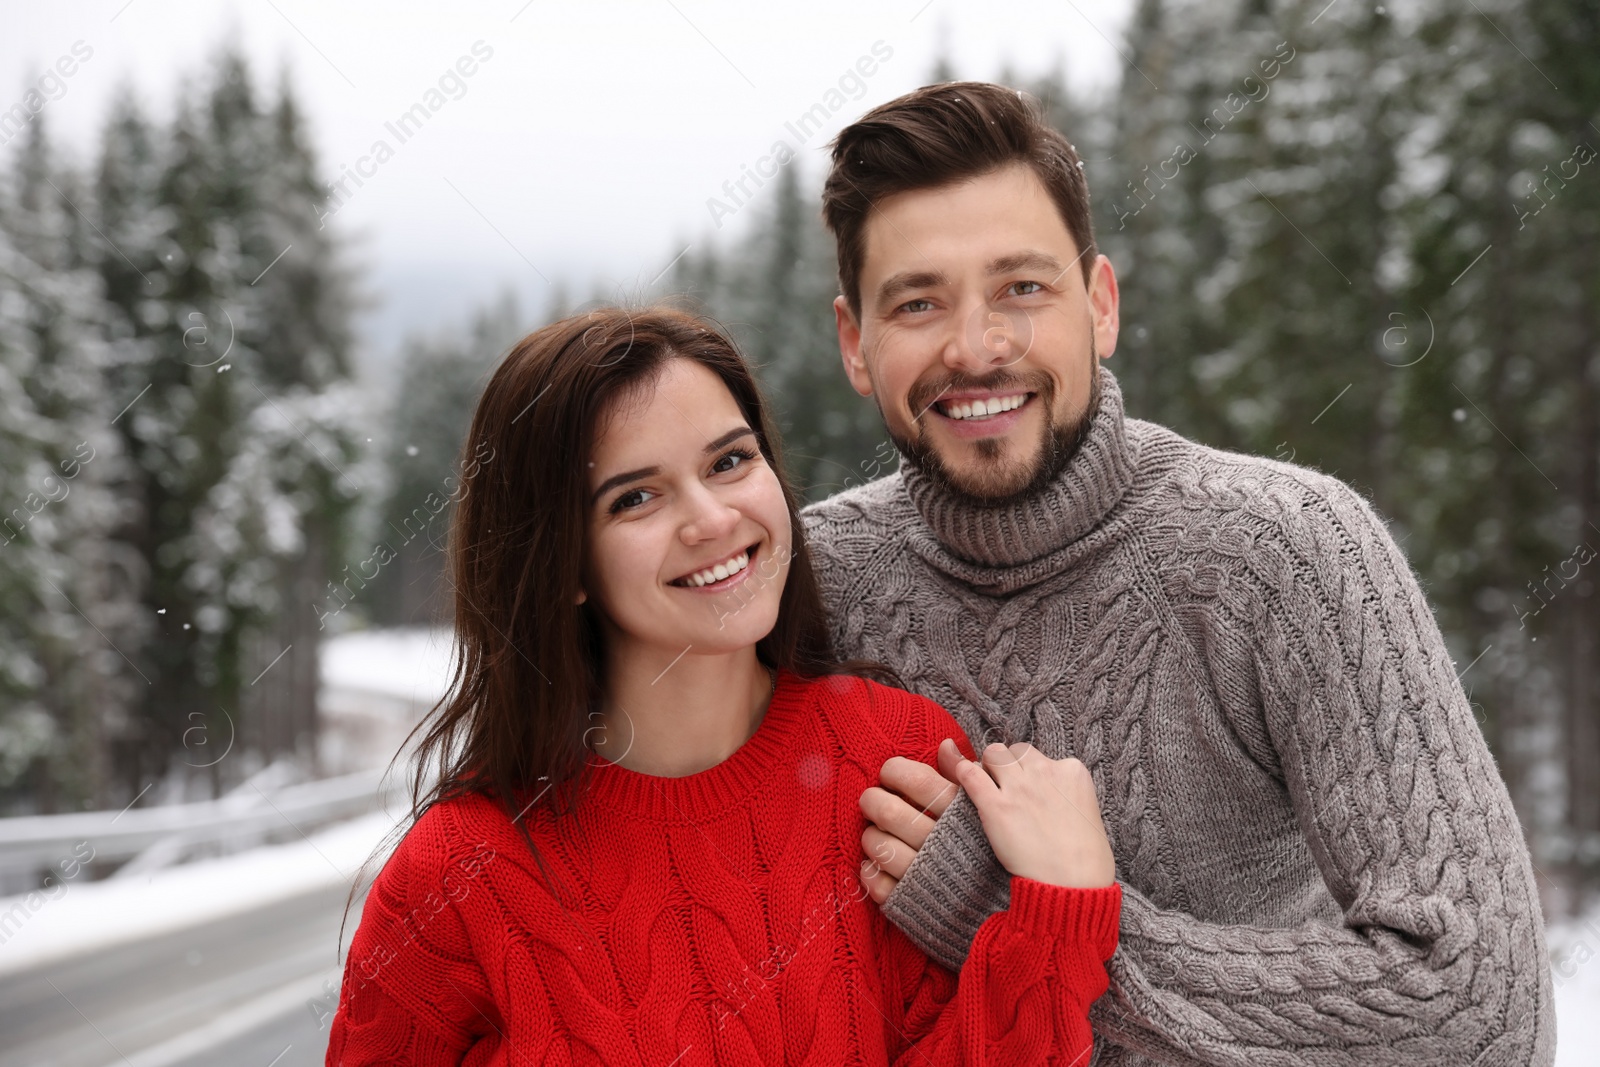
(982, 339)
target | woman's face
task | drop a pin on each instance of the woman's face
(689, 539)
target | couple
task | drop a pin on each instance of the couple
(697, 776)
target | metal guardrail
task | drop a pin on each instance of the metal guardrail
(31, 845)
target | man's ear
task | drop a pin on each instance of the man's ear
(855, 367)
(1103, 306)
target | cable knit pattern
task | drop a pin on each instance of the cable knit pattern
(715, 918)
(1320, 863)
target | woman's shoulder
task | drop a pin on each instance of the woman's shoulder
(464, 832)
(865, 713)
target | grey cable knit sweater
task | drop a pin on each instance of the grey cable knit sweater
(1320, 863)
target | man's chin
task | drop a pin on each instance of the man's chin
(984, 474)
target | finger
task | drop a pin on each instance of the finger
(887, 851)
(894, 816)
(949, 756)
(923, 787)
(975, 779)
(878, 884)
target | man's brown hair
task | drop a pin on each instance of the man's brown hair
(938, 135)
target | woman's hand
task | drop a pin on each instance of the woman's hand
(1042, 816)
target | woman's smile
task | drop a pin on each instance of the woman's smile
(725, 573)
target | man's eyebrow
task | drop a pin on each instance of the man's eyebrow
(1029, 259)
(645, 472)
(907, 280)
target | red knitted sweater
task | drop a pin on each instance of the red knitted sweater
(711, 919)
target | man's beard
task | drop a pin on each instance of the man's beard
(993, 484)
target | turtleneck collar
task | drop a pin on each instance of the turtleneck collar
(1024, 530)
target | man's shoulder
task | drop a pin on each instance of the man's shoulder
(851, 529)
(878, 505)
(1209, 486)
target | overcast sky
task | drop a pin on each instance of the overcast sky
(588, 138)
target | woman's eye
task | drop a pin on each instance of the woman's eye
(732, 460)
(631, 499)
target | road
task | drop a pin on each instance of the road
(245, 991)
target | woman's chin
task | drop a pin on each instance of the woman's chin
(731, 628)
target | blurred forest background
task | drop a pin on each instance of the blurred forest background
(1366, 245)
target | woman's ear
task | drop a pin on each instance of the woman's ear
(582, 596)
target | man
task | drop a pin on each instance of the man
(1320, 863)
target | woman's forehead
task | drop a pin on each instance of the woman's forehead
(678, 411)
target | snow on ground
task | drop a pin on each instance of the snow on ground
(1575, 961)
(411, 664)
(91, 915)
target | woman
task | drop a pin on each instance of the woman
(641, 845)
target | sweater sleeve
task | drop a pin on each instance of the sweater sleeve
(1023, 994)
(954, 882)
(952, 886)
(1441, 956)
(413, 993)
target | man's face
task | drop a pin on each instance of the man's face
(972, 294)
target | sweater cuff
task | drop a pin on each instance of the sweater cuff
(1088, 916)
(952, 886)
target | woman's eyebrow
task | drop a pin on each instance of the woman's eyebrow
(622, 479)
(728, 438)
(645, 472)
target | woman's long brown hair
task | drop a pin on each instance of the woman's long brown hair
(528, 659)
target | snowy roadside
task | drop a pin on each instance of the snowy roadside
(83, 916)
(359, 669)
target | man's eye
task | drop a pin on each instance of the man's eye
(1025, 288)
(916, 305)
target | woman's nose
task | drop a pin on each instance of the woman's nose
(709, 518)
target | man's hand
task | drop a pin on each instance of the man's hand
(901, 811)
(1041, 816)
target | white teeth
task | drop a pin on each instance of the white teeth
(978, 408)
(719, 572)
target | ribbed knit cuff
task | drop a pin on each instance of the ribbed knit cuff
(1090, 916)
(953, 884)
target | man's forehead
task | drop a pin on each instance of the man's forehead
(996, 215)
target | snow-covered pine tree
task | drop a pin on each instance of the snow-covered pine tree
(72, 620)
(265, 532)
(233, 320)
(1501, 218)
